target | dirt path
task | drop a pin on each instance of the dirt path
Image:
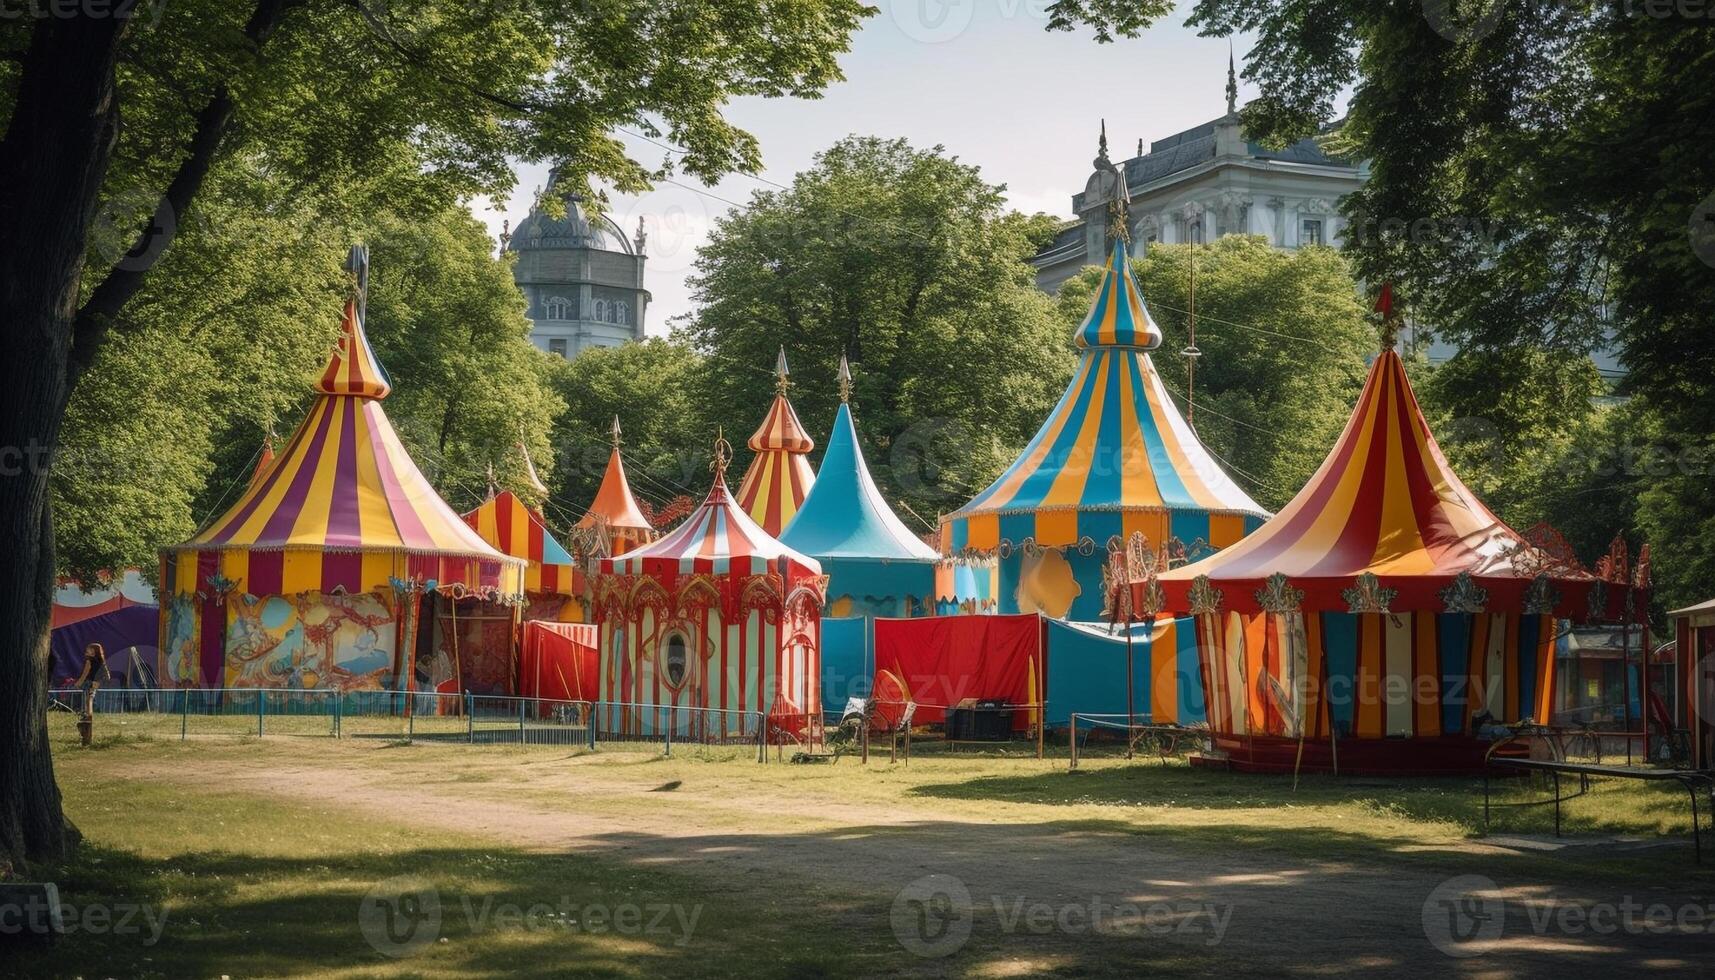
(1273, 914)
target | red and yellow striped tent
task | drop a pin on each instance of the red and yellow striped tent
(514, 528)
(1385, 601)
(342, 511)
(615, 512)
(779, 477)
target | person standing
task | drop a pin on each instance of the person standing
(94, 672)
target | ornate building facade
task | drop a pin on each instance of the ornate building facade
(582, 276)
(1202, 183)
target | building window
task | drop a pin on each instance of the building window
(600, 314)
(558, 308)
(621, 312)
(1310, 232)
(557, 346)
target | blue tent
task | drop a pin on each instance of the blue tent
(876, 566)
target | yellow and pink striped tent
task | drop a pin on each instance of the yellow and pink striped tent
(342, 511)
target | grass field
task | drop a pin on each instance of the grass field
(285, 856)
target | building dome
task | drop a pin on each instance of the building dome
(575, 230)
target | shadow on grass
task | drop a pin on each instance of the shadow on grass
(1398, 817)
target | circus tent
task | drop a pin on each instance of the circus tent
(779, 476)
(552, 580)
(876, 567)
(314, 575)
(1385, 605)
(614, 522)
(1113, 459)
(716, 625)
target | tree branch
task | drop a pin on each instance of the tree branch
(416, 59)
(99, 313)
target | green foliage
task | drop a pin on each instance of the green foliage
(448, 324)
(1537, 181)
(223, 344)
(1284, 340)
(653, 388)
(907, 261)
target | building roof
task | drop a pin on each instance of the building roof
(344, 481)
(1114, 443)
(576, 230)
(1386, 503)
(845, 515)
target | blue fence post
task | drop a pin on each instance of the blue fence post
(589, 722)
(521, 721)
(260, 701)
(668, 728)
(761, 737)
(184, 713)
(469, 718)
(338, 713)
(411, 717)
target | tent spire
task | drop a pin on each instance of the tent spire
(845, 380)
(532, 479)
(1390, 322)
(781, 372)
(614, 433)
(722, 455)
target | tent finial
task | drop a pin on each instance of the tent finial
(781, 371)
(722, 454)
(845, 380)
(1390, 321)
(613, 433)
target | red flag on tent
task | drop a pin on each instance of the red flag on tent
(1384, 302)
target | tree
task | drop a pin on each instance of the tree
(1536, 180)
(434, 96)
(906, 261)
(1284, 340)
(654, 389)
(448, 324)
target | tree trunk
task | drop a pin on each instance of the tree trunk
(53, 159)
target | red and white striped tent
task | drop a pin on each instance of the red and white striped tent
(711, 629)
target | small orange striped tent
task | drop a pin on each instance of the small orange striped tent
(615, 512)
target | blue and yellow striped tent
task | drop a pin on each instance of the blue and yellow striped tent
(1115, 457)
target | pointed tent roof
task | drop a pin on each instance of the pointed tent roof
(718, 537)
(514, 528)
(779, 476)
(344, 481)
(1114, 443)
(263, 461)
(613, 500)
(845, 515)
(1384, 502)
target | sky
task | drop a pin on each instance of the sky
(981, 78)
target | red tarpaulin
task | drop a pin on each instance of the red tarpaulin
(943, 660)
(560, 661)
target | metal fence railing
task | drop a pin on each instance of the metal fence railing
(410, 716)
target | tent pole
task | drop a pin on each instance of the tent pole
(1130, 686)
